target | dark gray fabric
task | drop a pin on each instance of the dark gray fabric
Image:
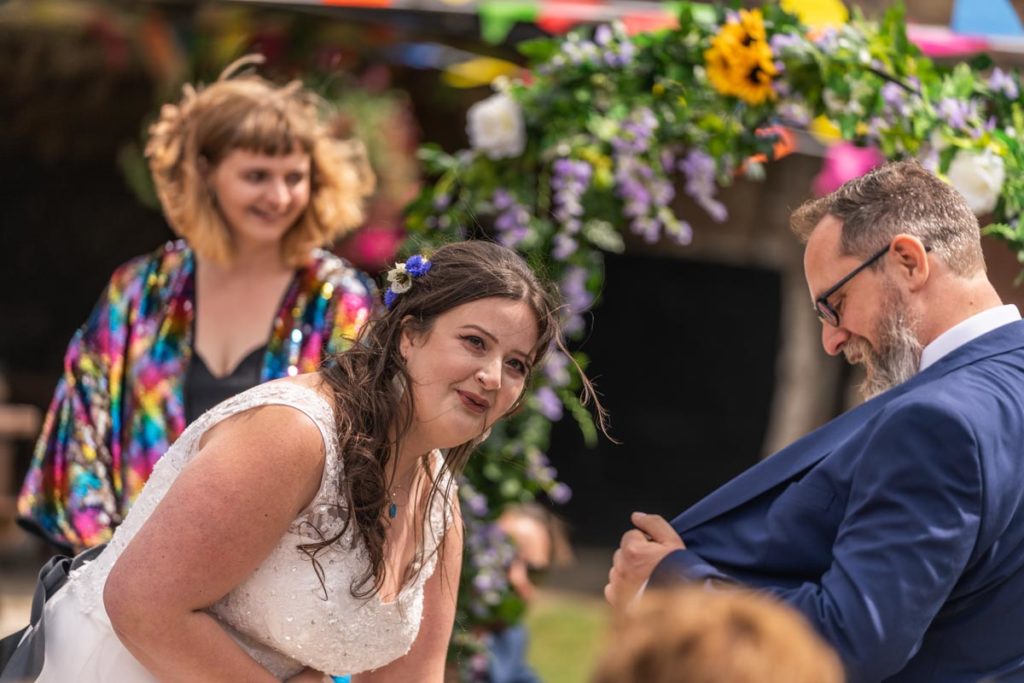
(21, 655)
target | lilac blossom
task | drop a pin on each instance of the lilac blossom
(1004, 83)
(442, 201)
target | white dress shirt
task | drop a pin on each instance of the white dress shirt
(968, 330)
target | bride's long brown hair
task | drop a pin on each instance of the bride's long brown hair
(373, 410)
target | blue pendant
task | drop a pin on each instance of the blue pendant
(392, 510)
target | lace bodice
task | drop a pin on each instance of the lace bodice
(279, 614)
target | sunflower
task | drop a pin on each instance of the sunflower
(739, 61)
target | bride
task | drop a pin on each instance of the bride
(309, 525)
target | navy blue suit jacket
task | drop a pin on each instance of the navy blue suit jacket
(897, 529)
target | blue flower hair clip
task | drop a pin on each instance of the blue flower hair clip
(401, 276)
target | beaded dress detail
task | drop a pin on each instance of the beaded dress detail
(281, 614)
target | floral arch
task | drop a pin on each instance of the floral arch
(605, 128)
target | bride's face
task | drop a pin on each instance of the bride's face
(469, 369)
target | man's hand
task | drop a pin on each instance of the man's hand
(640, 551)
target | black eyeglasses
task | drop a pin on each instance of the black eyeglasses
(826, 313)
(829, 315)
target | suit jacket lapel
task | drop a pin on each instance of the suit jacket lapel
(811, 449)
(785, 464)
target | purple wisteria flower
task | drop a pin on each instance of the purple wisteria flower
(780, 42)
(442, 201)
(564, 247)
(896, 99)
(539, 469)
(490, 553)
(636, 132)
(827, 40)
(626, 52)
(647, 227)
(631, 178)
(556, 368)
(957, 114)
(548, 403)
(578, 51)
(560, 493)
(512, 222)
(570, 180)
(611, 47)
(1004, 83)
(699, 169)
(794, 111)
(475, 502)
(577, 299)
(502, 199)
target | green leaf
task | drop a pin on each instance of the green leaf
(539, 50)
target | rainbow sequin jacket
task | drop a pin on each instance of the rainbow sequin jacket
(119, 404)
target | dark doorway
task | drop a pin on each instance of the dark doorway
(684, 356)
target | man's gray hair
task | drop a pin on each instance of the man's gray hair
(899, 198)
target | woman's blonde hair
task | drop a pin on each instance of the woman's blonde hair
(250, 113)
(695, 635)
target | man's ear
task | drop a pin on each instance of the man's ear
(912, 261)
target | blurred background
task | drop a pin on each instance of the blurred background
(707, 355)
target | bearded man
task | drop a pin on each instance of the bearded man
(897, 529)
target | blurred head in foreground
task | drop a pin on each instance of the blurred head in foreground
(692, 635)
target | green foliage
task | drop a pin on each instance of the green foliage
(612, 126)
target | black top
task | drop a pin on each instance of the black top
(203, 390)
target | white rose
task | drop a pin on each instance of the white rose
(978, 176)
(496, 127)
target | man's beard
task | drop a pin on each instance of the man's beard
(898, 356)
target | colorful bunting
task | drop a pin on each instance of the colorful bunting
(818, 13)
(985, 17)
(497, 17)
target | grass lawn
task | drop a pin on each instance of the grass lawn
(566, 635)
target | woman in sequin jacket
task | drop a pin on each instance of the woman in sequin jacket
(252, 182)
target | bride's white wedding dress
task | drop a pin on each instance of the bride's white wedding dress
(278, 614)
